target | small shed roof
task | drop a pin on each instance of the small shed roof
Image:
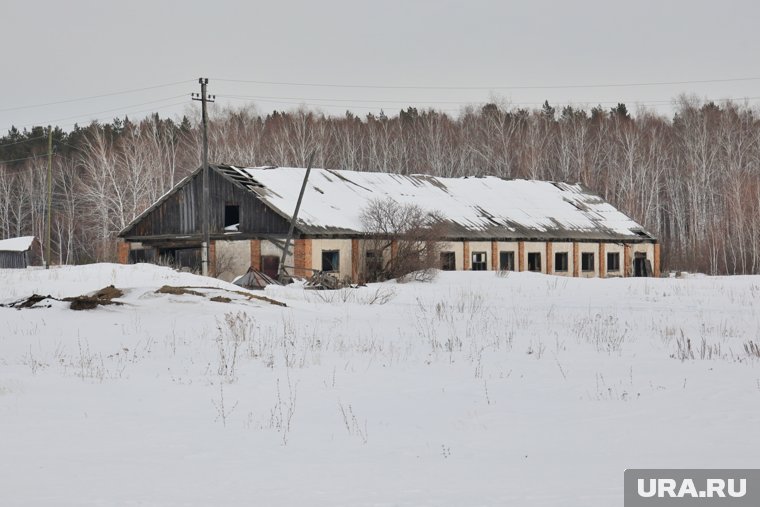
(475, 207)
(20, 244)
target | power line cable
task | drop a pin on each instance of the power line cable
(87, 115)
(349, 106)
(123, 92)
(59, 143)
(23, 141)
(462, 103)
(150, 110)
(25, 158)
(500, 87)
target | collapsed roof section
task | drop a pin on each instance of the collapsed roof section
(474, 207)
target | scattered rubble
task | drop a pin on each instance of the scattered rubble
(102, 297)
(30, 302)
(108, 295)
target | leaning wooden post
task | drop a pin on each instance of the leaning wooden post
(292, 228)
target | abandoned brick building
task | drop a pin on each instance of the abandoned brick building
(491, 224)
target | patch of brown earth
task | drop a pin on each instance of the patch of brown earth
(177, 291)
(109, 293)
(102, 297)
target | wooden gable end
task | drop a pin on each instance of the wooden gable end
(179, 213)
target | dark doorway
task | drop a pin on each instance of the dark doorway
(179, 258)
(534, 261)
(640, 264)
(142, 255)
(270, 265)
(506, 261)
(374, 264)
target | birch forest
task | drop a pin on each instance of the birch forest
(692, 179)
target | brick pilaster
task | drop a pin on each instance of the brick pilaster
(302, 258)
(123, 252)
(576, 259)
(256, 254)
(355, 258)
(212, 258)
(656, 263)
(521, 256)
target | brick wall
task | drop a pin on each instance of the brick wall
(123, 252)
(355, 259)
(256, 254)
(212, 258)
(576, 259)
(302, 258)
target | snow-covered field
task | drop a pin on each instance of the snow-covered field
(476, 389)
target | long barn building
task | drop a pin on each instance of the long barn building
(491, 223)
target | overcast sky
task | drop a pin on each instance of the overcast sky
(62, 50)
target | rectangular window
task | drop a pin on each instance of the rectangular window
(479, 261)
(534, 261)
(506, 261)
(374, 262)
(613, 261)
(560, 262)
(330, 260)
(231, 215)
(448, 261)
(587, 261)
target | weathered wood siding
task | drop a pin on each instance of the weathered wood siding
(14, 260)
(179, 214)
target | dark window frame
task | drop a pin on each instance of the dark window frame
(231, 215)
(333, 263)
(482, 265)
(587, 259)
(507, 260)
(613, 266)
(448, 261)
(534, 262)
(563, 265)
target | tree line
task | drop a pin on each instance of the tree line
(692, 179)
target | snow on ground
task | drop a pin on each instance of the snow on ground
(476, 389)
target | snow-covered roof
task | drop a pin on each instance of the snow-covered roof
(21, 244)
(487, 207)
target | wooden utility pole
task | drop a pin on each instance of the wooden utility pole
(293, 220)
(205, 204)
(49, 196)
